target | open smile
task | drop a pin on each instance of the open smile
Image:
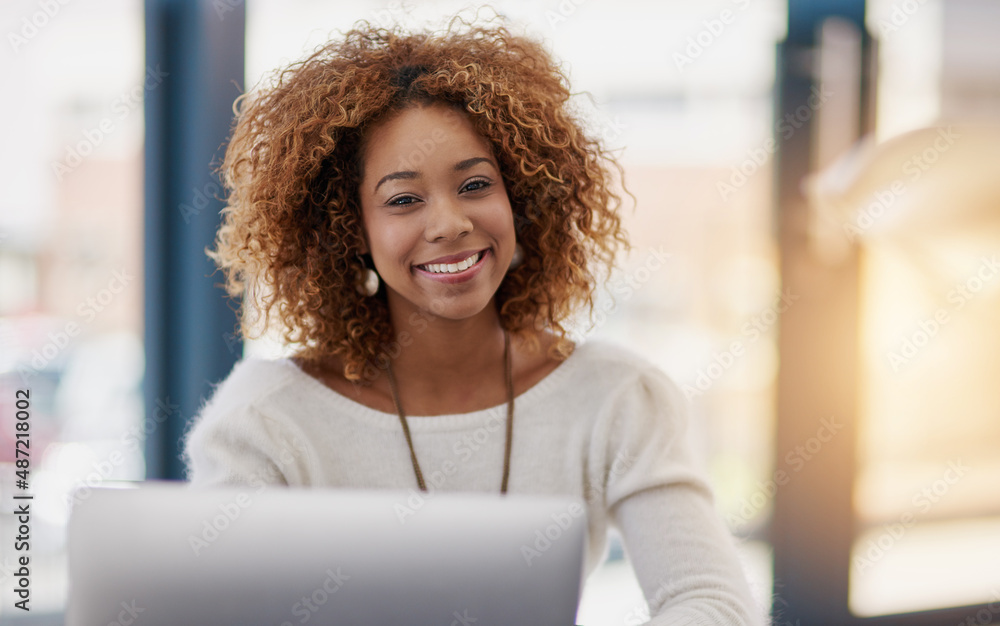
(457, 272)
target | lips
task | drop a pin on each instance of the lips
(454, 263)
(464, 271)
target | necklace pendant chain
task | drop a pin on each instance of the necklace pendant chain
(508, 381)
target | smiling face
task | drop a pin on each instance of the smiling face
(436, 215)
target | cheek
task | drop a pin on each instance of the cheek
(500, 218)
(389, 240)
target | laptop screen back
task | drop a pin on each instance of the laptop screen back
(170, 554)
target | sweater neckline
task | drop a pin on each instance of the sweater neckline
(363, 412)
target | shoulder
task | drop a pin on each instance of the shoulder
(608, 364)
(241, 433)
(603, 350)
(251, 382)
(631, 395)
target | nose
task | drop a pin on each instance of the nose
(446, 220)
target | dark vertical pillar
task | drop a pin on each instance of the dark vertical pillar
(812, 528)
(199, 46)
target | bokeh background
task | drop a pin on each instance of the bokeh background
(841, 257)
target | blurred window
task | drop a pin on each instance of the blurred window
(927, 494)
(70, 265)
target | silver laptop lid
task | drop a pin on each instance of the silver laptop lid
(167, 554)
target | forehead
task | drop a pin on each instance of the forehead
(419, 138)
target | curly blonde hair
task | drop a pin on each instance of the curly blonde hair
(291, 235)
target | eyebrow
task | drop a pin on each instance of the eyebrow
(461, 166)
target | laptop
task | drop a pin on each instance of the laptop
(169, 554)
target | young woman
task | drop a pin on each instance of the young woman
(421, 214)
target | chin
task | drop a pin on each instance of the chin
(460, 307)
(456, 311)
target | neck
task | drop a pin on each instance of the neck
(448, 357)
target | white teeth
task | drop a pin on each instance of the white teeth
(451, 268)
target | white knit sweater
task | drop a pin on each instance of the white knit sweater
(604, 426)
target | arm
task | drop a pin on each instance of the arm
(682, 554)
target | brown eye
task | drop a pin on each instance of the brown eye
(402, 201)
(476, 185)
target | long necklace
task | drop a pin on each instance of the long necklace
(508, 379)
